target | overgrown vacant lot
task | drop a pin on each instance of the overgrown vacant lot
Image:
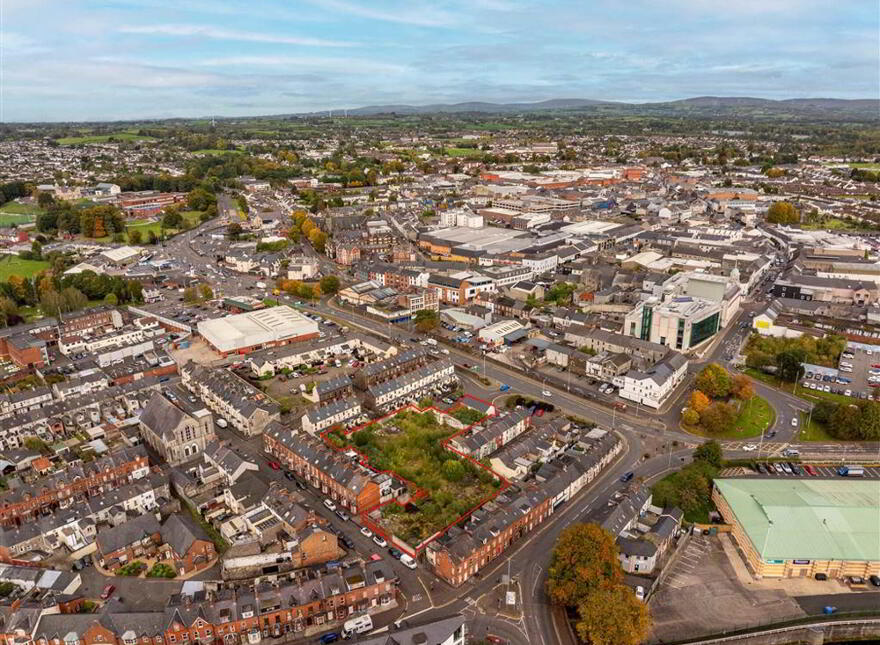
(410, 445)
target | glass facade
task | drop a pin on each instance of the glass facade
(704, 329)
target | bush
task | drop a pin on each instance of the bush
(133, 568)
(162, 570)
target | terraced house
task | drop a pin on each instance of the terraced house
(410, 387)
(347, 482)
(245, 407)
(73, 485)
(228, 616)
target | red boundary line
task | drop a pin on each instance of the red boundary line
(420, 492)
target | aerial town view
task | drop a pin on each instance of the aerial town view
(335, 320)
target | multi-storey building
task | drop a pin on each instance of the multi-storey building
(175, 434)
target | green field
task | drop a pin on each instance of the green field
(192, 217)
(813, 431)
(209, 151)
(836, 224)
(14, 208)
(867, 165)
(463, 152)
(14, 220)
(13, 265)
(104, 138)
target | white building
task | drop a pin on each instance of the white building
(680, 323)
(650, 388)
(255, 329)
(494, 334)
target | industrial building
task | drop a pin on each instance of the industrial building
(790, 528)
(253, 330)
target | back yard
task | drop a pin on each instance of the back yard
(443, 486)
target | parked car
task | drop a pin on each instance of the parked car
(329, 504)
(366, 532)
(332, 637)
(274, 465)
(395, 553)
(108, 591)
(379, 540)
(342, 515)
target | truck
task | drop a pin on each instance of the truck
(851, 471)
(357, 625)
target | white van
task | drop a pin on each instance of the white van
(359, 625)
(222, 422)
(407, 561)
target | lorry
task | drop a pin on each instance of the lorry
(851, 471)
(357, 625)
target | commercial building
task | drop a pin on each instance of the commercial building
(501, 332)
(246, 332)
(680, 323)
(791, 528)
(651, 387)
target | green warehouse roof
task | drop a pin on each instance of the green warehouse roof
(807, 519)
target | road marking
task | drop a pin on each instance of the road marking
(538, 570)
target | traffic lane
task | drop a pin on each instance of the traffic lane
(842, 602)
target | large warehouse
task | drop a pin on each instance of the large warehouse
(243, 333)
(789, 528)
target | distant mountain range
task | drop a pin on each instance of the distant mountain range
(849, 108)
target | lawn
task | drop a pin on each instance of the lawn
(14, 220)
(104, 138)
(14, 208)
(192, 217)
(837, 224)
(866, 165)
(443, 486)
(14, 265)
(813, 431)
(463, 152)
(755, 416)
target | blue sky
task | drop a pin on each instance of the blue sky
(124, 59)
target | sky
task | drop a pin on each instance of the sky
(76, 60)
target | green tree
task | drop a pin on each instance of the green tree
(714, 381)
(190, 295)
(718, 418)
(135, 237)
(453, 470)
(207, 292)
(690, 417)
(426, 320)
(37, 250)
(329, 284)
(111, 299)
(172, 218)
(710, 452)
(789, 364)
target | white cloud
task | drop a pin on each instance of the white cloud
(421, 16)
(214, 33)
(309, 63)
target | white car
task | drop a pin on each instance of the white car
(794, 422)
(329, 504)
(749, 447)
(378, 539)
(546, 393)
(366, 532)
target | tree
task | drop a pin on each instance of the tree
(233, 231)
(613, 616)
(172, 218)
(714, 381)
(710, 452)
(134, 237)
(690, 417)
(190, 295)
(37, 250)
(152, 238)
(329, 284)
(453, 470)
(207, 292)
(111, 299)
(8, 312)
(742, 387)
(699, 401)
(789, 364)
(718, 418)
(584, 558)
(783, 213)
(845, 422)
(426, 320)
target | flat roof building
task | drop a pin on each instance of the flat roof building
(246, 332)
(792, 527)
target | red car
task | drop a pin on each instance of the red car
(274, 465)
(876, 365)
(812, 471)
(108, 591)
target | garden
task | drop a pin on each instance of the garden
(725, 406)
(443, 486)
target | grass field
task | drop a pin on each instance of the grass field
(14, 208)
(813, 431)
(192, 217)
(866, 165)
(836, 224)
(463, 152)
(210, 151)
(104, 138)
(13, 265)
(14, 220)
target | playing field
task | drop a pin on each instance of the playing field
(13, 265)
